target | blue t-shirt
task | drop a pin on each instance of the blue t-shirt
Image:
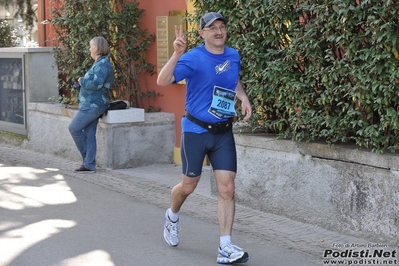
(208, 75)
(96, 83)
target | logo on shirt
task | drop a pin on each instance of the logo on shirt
(222, 67)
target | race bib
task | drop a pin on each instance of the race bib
(223, 103)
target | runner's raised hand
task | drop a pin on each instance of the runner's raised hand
(180, 44)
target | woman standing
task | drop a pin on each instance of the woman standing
(93, 101)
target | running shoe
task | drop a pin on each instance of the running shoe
(171, 231)
(232, 254)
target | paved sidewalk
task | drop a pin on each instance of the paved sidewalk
(152, 184)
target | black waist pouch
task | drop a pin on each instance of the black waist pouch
(215, 128)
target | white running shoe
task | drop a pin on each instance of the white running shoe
(232, 254)
(171, 231)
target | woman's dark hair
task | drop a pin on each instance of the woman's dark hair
(102, 45)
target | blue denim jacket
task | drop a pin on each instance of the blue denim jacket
(96, 83)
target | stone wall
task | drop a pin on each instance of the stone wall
(340, 188)
(119, 145)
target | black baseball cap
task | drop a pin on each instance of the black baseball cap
(209, 18)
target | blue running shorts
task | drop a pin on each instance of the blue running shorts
(220, 148)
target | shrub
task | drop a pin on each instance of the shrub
(9, 37)
(78, 21)
(319, 69)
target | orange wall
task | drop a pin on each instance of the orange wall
(172, 97)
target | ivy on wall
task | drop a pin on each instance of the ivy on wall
(318, 69)
(78, 21)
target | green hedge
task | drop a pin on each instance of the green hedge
(319, 69)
